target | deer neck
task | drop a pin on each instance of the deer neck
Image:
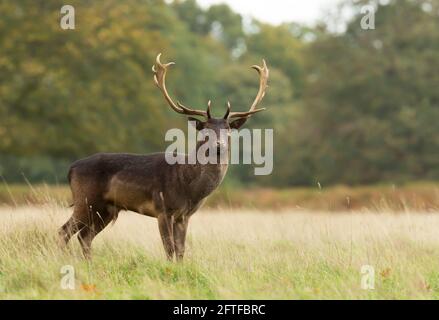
(207, 177)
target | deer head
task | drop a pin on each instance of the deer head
(231, 120)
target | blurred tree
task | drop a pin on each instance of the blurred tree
(218, 21)
(371, 98)
(352, 106)
(225, 25)
(66, 94)
(194, 17)
(282, 48)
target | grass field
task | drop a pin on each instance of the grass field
(417, 196)
(230, 255)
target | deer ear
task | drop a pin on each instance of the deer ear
(199, 125)
(236, 124)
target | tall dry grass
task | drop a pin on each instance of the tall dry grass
(230, 254)
(421, 196)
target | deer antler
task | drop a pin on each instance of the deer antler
(263, 79)
(160, 70)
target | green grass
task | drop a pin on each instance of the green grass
(230, 255)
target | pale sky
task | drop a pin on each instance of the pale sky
(278, 11)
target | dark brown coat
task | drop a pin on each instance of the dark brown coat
(106, 183)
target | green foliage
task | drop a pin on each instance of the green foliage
(372, 100)
(359, 106)
(278, 44)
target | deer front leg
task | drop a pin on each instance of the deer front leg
(180, 229)
(166, 232)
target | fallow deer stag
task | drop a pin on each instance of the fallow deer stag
(104, 184)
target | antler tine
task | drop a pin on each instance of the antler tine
(208, 110)
(263, 79)
(244, 114)
(226, 116)
(159, 69)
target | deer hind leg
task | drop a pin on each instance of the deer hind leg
(180, 230)
(71, 227)
(166, 232)
(96, 222)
